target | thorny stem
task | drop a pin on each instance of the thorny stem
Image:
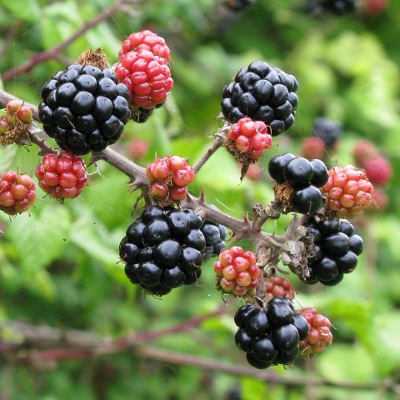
(241, 229)
(55, 51)
(219, 139)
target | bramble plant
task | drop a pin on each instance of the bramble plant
(85, 107)
(131, 224)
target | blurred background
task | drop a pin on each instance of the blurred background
(59, 270)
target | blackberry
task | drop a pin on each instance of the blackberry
(17, 193)
(277, 164)
(163, 249)
(334, 251)
(348, 191)
(307, 200)
(329, 131)
(272, 335)
(145, 40)
(298, 172)
(262, 93)
(319, 328)
(140, 114)
(237, 272)
(298, 180)
(215, 235)
(84, 108)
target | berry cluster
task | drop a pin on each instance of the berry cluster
(248, 139)
(17, 193)
(84, 108)
(348, 191)
(146, 40)
(277, 286)
(215, 235)
(298, 182)
(147, 77)
(169, 177)
(237, 272)
(319, 336)
(262, 93)
(334, 250)
(14, 122)
(62, 176)
(270, 336)
(163, 249)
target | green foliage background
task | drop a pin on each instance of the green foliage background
(59, 265)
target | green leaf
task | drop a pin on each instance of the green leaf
(253, 389)
(99, 245)
(385, 343)
(25, 10)
(346, 362)
(40, 239)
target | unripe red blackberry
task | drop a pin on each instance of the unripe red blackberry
(363, 150)
(313, 147)
(84, 108)
(248, 139)
(163, 249)
(138, 148)
(145, 40)
(348, 191)
(17, 193)
(319, 336)
(277, 286)
(169, 177)
(378, 170)
(237, 272)
(262, 93)
(15, 122)
(147, 77)
(62, 176)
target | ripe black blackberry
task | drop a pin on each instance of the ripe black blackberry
(163, 249)
(298, 180)
(272, 335)
(140, 114)
(262, 93)
(334, 251)
(84, 108)
(328, 131)
(215, 235)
